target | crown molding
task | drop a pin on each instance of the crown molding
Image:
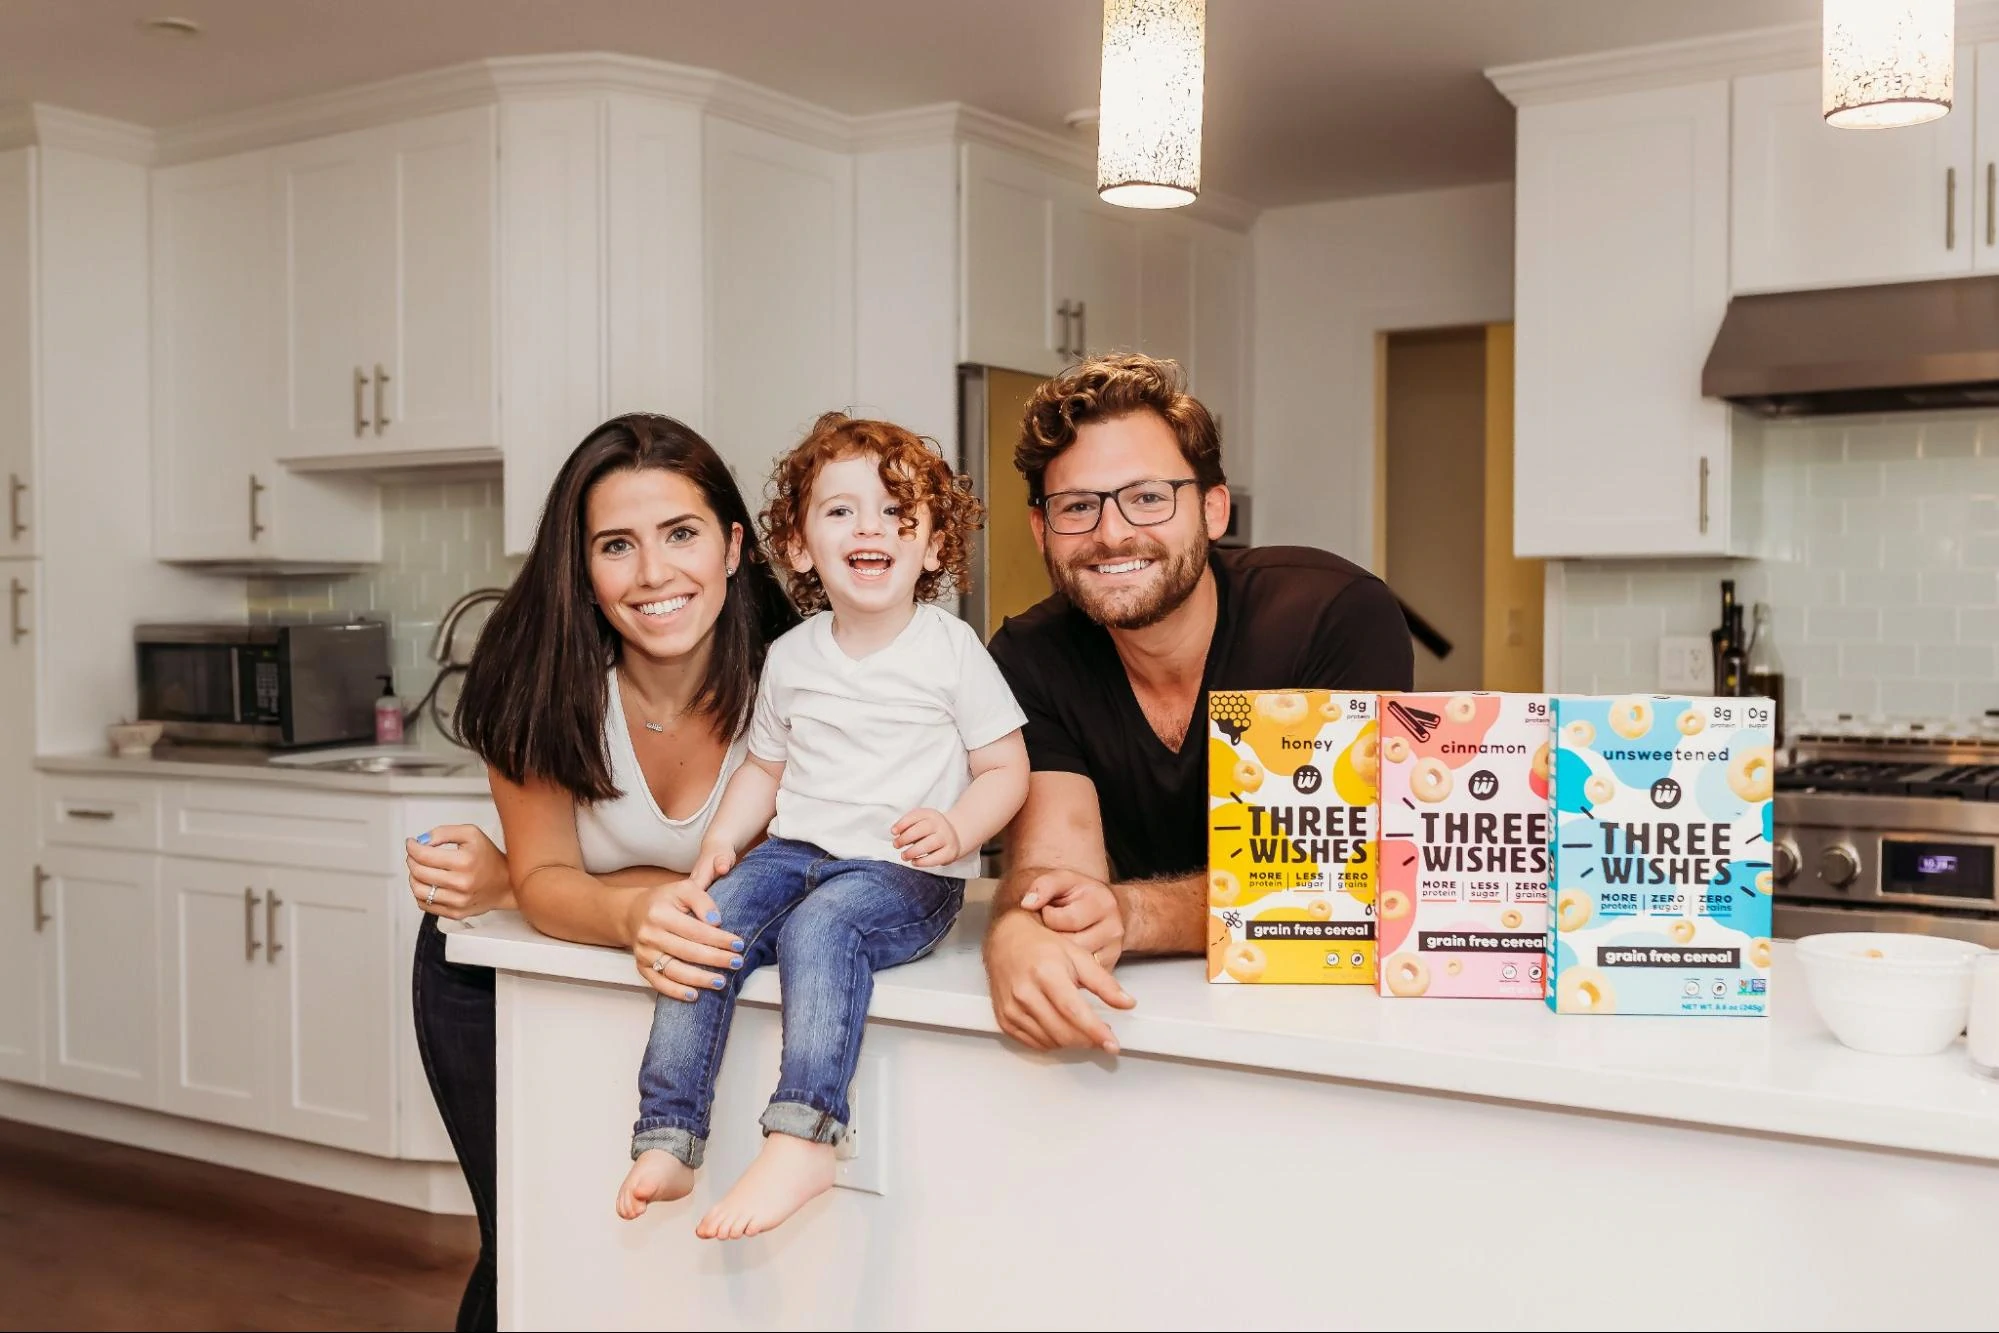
(26, 124)
(1695, 60)
(780, 113)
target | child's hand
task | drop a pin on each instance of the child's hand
(926, 838)
(713, 861)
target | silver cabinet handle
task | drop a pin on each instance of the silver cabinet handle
(1703, 494)
(271, 948)
(1066, 312)
(1950, 208)
(360, 414)
(250, 944)
(1082, 332)
(42, 918)
(16, 590)
(257, 526)
(75, 812)
(1991, 189)
(16, 525)
(381, 415)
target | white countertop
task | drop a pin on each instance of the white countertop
(468, 781)
(1781, 1075)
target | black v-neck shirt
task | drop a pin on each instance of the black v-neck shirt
(1289, 617)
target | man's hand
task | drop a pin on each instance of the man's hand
(1080, 906)
(1038, 978)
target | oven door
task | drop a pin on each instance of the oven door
(210, 690)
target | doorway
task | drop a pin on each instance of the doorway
(1444, 506)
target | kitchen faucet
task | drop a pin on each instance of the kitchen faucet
(442, 648)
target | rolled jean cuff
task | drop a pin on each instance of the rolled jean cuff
(682, 1143)
(802, 1122)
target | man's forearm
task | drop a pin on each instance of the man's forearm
(1164, 915)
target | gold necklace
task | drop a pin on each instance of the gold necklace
(647, 723)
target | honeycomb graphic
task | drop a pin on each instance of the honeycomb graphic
(1231, 713)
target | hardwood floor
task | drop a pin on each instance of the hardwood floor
(97, 1235)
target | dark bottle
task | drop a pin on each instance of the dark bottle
(1734, 661)
(1763, 676)
(1718, 638)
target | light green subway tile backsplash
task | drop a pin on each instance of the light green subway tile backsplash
(440, 539)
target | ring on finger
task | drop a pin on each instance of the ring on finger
(431, 897)
(659, 963)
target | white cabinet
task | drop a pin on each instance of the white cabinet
(1009, 307)
(17, 359)
(100, 972)
(1222, 337)
(1096, 271)
(1617, 302)
(333, 219)
(215, 1014)
(1818, 207)
(23, 890)
(219, 381)
(1984, 181)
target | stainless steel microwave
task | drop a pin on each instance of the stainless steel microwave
(278, 685)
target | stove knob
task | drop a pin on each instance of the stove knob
(1838, 865)
(1784, 861)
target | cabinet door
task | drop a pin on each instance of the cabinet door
(23, 897)
(1617, 301)
(1985, 165)
(333, 1044)
(334, 218)
(215, 359)
(1096, 264)
(18, 254)
(215, 993)
(1220, 372)
(1819, 207)
(100, 974)
(439, 353)
(1008, 246)
(1166, 292)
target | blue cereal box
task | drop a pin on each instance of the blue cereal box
(1661, 856)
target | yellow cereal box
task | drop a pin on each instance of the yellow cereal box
(1291, 836)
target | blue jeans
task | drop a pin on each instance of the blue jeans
(831, 925)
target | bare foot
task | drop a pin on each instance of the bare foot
(656, 1177)
(787, 1174)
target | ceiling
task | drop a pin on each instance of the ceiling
(1306, 99)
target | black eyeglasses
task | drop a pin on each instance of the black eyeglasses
(1143, 504)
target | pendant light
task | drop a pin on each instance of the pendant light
(1888, 63)
(1149, 128)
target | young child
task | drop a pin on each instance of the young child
(888, 748)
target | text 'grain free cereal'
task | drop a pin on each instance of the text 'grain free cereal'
(1662, 856)
(1463, 905)
(1291, 839)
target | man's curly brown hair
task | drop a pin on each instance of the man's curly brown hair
(1105, 387)
(912, 469)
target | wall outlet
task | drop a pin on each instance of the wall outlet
(1686, 665)
(861, 1160)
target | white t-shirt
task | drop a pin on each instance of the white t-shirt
(865, 742)
(630, 829)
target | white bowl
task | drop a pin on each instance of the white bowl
(133, 740)
(1887, 993)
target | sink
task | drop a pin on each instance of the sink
(388, 763)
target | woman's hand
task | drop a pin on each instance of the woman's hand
(678, 943)
(456, 872)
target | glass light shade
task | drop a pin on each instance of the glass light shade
(1149, 122)
(1888, 62)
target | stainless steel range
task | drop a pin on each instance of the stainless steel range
(1894, 828)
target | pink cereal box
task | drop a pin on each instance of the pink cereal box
(1463, 905)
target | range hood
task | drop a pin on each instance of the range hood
(1901, 347)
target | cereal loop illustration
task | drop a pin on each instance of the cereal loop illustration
(1750, 774)
(1431, 781)
(1244, 961)
(1682, 931)
(1407, 974)
(1320, 909)
(1584, 990)
(1759, 953)
(1692, 723)
(1394, 905)
(1460, 709)
(1510, 919)
(1579, 734)
(1631, 718)
(1573, 909)
(1224, 888)
(1599, 789)
(1395, 750)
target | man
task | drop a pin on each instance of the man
(1109, 855)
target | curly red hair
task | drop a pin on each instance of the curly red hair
(912, 469)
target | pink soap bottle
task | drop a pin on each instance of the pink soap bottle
(388, 714)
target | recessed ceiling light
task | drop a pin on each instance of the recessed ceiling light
(169, 25)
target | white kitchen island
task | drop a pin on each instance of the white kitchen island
(1267, 1158)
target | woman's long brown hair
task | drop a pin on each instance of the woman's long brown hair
(535, 694)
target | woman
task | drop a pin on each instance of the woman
(608, 696)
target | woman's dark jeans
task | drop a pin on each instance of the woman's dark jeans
(454, 1033)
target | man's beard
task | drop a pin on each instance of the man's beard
(1175, 575)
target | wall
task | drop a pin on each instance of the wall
(1884, 583)
(1328, 278)
(440, 539)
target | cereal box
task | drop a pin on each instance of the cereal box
(1662, 856)
(1462, 909)
(1291, 805)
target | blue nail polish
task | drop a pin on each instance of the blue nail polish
(719, 983)
(423, 838)
(737, 945)
(737, 961)
(714, 918)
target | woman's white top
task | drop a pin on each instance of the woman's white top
(631, 829)
(864, 742)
